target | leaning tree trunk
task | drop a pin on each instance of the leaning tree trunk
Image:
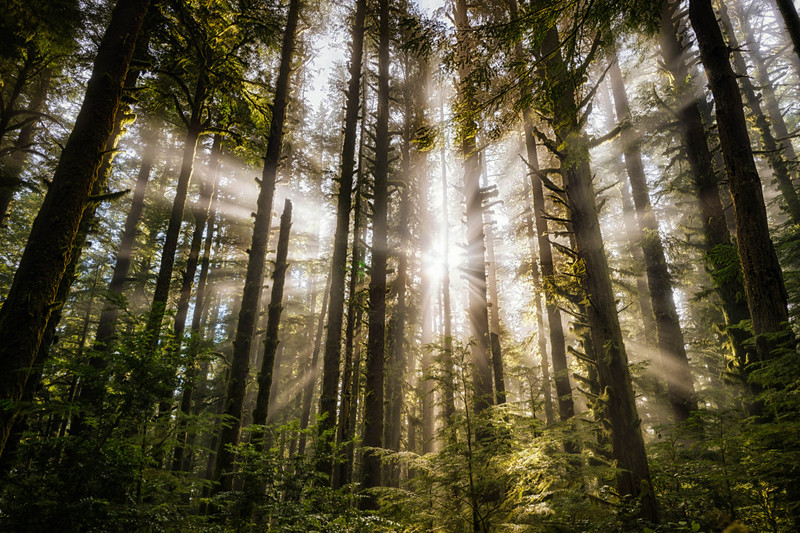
(27, 307)
(333, 338)
(11, 168)
(706, 181)
(767, 86)
(204, 212)
(633, 475)
(674, 361)
(763, 279)
(254, 279)
(373, 391)
(770, 146)
(273, 324)
(792, 22)
(164, 278)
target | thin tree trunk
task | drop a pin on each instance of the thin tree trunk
(11, 169)
(254, 279)
(674, 361)
(538, 295)
(273, 324)
(201, 212)
(185, 405)
(27, 307)
(164, 278)
(333, 338)
(475, 259)
(494, 301)
(763, 279)
(633, 476)
(792, 22)
(308, 391)
(354, 311)
(766, 86)
(373, 393)
(558, 347)
(448, 365)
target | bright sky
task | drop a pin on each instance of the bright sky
(332, 47)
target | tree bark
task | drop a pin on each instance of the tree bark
(24, 314)
(771, 148)
(11, 168)
(273, 324)
(475, 259)
(633, 475)
(373, 392)
(674, 361)
(240, 367)
(792, 22)
(333, 338)
(207, 213)
(763, 279)
(706, 181)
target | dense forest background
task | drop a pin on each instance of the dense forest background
(383, 265)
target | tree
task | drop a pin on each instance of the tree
(333, 338)
(763, 279)
(674, 362)
(237, 382)
(26, 309)
(374, 363)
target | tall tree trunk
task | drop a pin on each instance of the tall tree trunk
(695, 143)
(770, 146)
(254, 279)
(106, 327)
(763, 279)
(558, 350)
(27, 307)
(333, 338)
(448, 365)
(308, 390)
(373, 392)
(475, 259)
(352, 345)
(766, 85)
(185, 405)
(164, 278)
(558, 347)
(201, 212)
(792, 22)
(674, 361)
(633, 476)
(11, 168)
(494, 301)
(538, 295)
(273, 324)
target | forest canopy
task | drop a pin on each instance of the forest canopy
(393, 265)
